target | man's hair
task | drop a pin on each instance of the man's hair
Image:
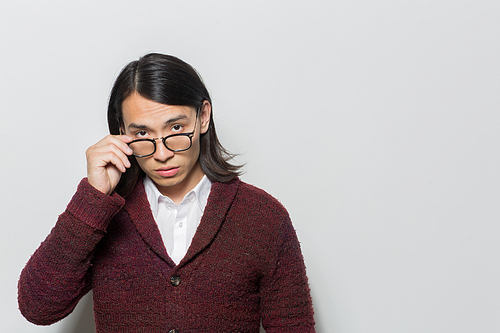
(168, 80)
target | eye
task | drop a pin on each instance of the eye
(176, 128)
(141, 134)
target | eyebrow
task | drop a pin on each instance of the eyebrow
(168, 122)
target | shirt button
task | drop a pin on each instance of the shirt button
(175, 280)
(181, 224)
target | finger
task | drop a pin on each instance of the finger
(102, 155)
(119, 141)
(99, 160)
(119, 163)
(124, 138)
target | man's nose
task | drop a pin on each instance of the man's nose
(162, 153)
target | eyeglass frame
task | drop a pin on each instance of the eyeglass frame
(190, 135)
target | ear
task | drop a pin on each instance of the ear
(120, 126)
(122, 131)
(205, 112)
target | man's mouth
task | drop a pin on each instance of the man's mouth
(167, 171)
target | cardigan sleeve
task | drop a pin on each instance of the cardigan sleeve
(286, 304)
(55, 278)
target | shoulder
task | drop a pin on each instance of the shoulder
(258, 195)
(253, 200)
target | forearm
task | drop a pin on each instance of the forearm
(55, 277)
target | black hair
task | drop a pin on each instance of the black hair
(168, 80)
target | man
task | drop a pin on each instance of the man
(162, 229)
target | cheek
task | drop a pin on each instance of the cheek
(190, 158)
(194, 152)
(142, 162)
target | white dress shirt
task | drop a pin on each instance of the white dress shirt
(178, 223)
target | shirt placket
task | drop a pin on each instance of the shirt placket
(180, 232)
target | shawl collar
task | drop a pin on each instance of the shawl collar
(219, 201)
(138, 208)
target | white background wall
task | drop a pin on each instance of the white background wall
(376, 123)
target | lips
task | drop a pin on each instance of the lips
(167, 172)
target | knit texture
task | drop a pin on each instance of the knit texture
(244, 265)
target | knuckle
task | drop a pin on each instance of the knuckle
(90, 155)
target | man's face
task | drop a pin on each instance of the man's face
(174, 173)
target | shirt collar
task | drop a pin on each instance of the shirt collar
(200, 192)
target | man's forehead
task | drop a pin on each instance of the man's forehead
(143, 123)
(137, 107)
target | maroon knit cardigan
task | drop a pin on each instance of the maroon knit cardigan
(244, 265)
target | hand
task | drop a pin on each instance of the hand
(106, 161)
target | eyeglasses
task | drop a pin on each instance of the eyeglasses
(175, 142)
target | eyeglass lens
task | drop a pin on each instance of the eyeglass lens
(147, 147)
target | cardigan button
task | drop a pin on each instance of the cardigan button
(173, 331)
(175, 281)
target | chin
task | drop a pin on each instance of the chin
(168, 182)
